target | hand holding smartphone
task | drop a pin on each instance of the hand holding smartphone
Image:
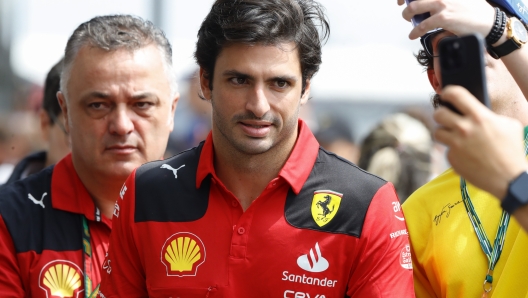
(462, 63)
(417, 19)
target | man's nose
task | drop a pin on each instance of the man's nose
(258, 101)
(121, 121)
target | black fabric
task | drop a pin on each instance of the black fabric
(162, 197)
(32, 227)
(36, 160)
(331, 172)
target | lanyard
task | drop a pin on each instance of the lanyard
(492, 252)
(87, 256)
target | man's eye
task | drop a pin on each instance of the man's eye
(96, 105)
(238, 80)
(143, 104)
(282, 84)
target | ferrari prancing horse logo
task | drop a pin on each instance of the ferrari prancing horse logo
(325, 204)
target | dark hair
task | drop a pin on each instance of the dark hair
(268, 22)
(50, 104)
(113, 32)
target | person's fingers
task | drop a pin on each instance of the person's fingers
(463, 100)
(401, 2)
(433, 22)
(446, 118)
(443, 135)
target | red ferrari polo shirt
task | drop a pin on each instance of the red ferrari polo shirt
(321, 228)
(41, 242)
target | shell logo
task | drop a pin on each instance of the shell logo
(61, 278)
(182, 254)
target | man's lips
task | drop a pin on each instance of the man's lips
(256, 129)
(121, 149)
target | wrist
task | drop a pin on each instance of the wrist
(502, 185)
(517, 194)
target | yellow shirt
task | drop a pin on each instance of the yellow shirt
(447, 258)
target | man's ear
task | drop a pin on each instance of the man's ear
(306, 94)
(64, 108)
(205, 83)
(433, 79)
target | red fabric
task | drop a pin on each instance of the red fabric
(21, 273)
(255, 253)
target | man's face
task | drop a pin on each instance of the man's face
(256, 97)
(55, 137)
(499, 81)
(119, 111)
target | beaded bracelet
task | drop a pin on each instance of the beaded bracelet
(498, 27)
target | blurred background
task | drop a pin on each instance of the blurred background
(368, 71)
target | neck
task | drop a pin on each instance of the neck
(247, 175)
(104, 191)
(516, 108)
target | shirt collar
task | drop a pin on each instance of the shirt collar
(68, 193)
(295, 171)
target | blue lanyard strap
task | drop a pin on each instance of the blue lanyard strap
(492, 253)
(87, 256)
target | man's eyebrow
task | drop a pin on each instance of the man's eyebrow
(96, 94)
(144, 95)
(234, 73)
(284, 78)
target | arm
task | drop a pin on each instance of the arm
(465, 17)
(384, 261)
(484, 148)
(123, 274)
(10, 281)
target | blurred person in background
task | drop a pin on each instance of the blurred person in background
(398, 150)
(118, 97)
(19, 136)
(193, 120)
(53, 131)
(6, 165)
(335, 135)
(463, 244)
(245, 213)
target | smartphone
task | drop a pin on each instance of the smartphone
(462, 63)
(417, 19)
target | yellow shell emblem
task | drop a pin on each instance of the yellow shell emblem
(182, 253)
(61, 279)
(325, 204)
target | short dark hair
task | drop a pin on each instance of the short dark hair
(268, 22)
(113, 32)
(50, 104)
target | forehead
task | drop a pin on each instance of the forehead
(97, 68)
(283, 57)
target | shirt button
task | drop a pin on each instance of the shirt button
(234, 203)
(241, 230)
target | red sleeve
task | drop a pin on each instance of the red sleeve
(123, 274)
(384, 268)
(10, 282)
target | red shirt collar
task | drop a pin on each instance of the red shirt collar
(295, 171)
(69, 194)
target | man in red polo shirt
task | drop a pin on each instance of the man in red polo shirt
(258, 209)
(118, 97)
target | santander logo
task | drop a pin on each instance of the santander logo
(313, 263)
